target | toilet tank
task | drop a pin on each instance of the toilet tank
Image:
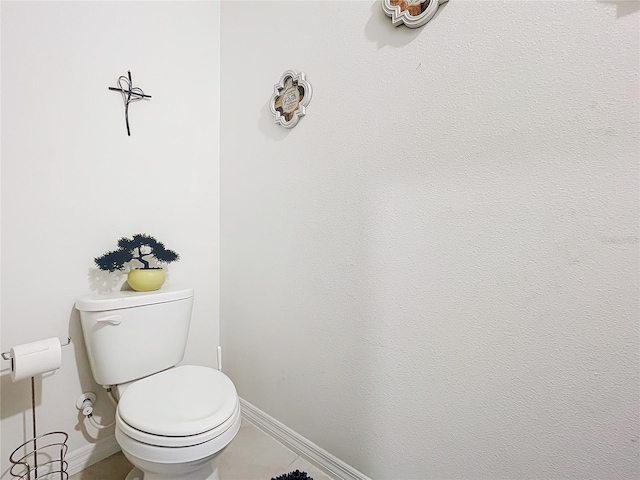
(130, 335)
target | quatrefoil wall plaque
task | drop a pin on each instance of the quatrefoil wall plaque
(291, 95)
(412, 13)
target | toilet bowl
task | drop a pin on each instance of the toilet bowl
(173, 424)
(171, 421)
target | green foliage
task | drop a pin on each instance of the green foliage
(136, 248)
(113, 261)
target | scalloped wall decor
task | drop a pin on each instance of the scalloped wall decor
(291, 95)
(412, 13)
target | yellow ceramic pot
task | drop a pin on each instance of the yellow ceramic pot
(146, 280)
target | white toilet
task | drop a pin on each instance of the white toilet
(171, 421)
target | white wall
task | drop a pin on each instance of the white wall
(73, 182)
(435, 273)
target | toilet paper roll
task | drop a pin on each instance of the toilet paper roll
(35, 358)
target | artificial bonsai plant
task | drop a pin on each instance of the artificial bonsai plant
(138, 247)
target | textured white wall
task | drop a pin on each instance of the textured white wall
(73, 182)
(435, 274)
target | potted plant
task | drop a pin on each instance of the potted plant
(140, 248)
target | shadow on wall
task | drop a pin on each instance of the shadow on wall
(625, 7)
(270, 129)
(16, 397)
(103, 282)
(87, 384)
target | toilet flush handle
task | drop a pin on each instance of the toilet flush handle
(112, 319)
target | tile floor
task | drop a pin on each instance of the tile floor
(253, 455)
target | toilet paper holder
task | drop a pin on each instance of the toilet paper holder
(26, 461)
(7, 355)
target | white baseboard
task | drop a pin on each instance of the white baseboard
(330, 464)
(86, 456)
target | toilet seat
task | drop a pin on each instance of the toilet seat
(149, 451)
(182, 406)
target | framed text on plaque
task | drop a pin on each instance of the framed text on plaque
(291, 95)
(413, 13)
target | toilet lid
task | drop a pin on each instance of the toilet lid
(181, 401)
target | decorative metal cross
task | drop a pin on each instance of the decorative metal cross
(130, 94)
